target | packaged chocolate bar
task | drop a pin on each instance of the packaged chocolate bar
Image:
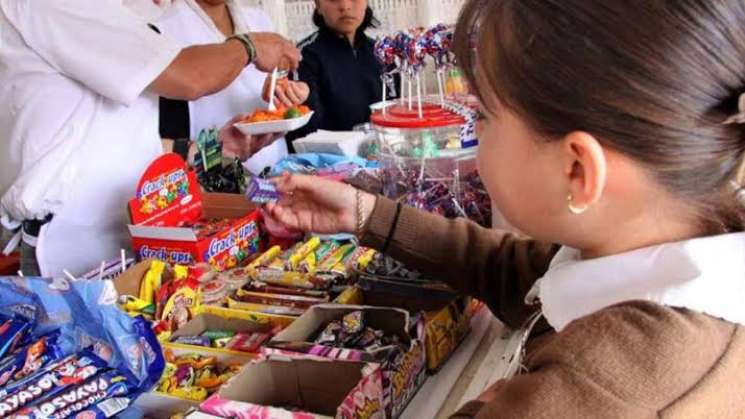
(308, 247)
(261, 191)
(311, 261)
(30, 359)
(353, 322)
(334, 258)
(108, 408)
(55, 378)
(248, 341)
(329, 333)
(257, 286)
(359, 259)
(193, 340)
(296, 301)
(266, 308)
(279, 262)
(218, 334)
(288, 279)
(265, 258)
(14, 330)
(100, 387)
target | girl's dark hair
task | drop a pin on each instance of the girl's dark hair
(369, 21)
(653, 79)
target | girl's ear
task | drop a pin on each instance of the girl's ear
(585, 168)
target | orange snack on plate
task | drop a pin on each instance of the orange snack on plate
(261, 115)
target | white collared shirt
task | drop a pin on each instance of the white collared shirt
(706, 275)
(77, 128)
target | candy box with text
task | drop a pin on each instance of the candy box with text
(172, 220)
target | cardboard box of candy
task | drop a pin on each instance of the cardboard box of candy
(214, 334)
(190, 376)
(172, 220)
(389, 336)
(285, 283)
(178, 311)
(285, 388)
(446, 324)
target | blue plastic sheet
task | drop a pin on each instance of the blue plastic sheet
(87, 316)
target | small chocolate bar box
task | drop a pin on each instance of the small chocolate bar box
(261, 191)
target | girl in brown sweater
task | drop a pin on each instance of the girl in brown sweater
(613, 129)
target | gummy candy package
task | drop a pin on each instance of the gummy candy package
(86, 315)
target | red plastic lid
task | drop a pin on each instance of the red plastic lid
(398, 116)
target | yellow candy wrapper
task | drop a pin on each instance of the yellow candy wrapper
(266, 257)
(151, 282)
(328, 264)
(297, 257)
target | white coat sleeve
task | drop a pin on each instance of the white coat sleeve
(99, 43)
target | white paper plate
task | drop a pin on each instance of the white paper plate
(268, 127)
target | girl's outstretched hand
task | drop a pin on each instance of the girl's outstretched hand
(312, 204)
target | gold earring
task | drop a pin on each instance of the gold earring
(574, 209)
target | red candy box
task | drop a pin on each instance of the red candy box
(172, 220)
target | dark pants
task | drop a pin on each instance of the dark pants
(29, 264)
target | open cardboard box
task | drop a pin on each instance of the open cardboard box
(254, 316)
(158, 405)
(446, 324)
(128, 282)
(169, 195)
(261, 389)
(400, 381)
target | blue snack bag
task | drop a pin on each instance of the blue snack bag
(87, 316)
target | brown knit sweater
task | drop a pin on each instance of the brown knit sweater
(632, 360)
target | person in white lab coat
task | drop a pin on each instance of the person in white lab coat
(192, 22)
(79, 87)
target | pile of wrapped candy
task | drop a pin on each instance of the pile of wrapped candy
(353, 333)
(167, 294)
(289, 282)
(459, 197)
(193, 376)
(213, 173)
(207, 227)
(226, 339)
(280, 282)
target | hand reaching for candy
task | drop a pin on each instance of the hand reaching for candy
(322, 206)
(287, 93)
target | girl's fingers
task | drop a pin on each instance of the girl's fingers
(293, 95)
(285, 217)
(282, 96)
